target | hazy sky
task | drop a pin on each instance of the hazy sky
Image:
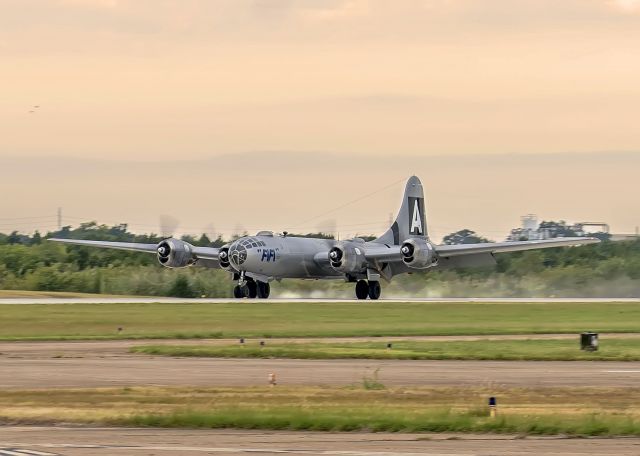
(353, 86)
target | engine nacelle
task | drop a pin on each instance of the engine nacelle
(347, 257)
(174, 253)
(418, 254)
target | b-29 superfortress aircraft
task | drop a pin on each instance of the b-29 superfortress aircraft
(255, 261)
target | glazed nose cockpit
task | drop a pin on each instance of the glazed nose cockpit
(240, 249)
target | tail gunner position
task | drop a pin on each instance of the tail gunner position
(255, 261)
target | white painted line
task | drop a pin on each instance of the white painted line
(20, 452)
(228, 450)
(36, 453)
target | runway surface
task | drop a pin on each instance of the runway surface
(72, 441)
(108, 363)
(27, 365)
(111, 300)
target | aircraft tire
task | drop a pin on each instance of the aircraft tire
(237, 292)
(252, 288)
(362, 289)
(263, 290)
(374, 290)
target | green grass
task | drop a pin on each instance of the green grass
(376, 420)
(572, 411)
(53, 294)
(536, 349)
(300, 319)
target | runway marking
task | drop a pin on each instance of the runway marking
(23, 452)
(175, 448)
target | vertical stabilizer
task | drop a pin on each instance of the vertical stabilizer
(411, 220)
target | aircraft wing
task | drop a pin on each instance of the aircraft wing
(391, 253)
(204, 253)
(135, 246)
(382, 253)
(500, 247)
(385, 253)
(372, 252)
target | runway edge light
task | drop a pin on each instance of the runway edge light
(493, 407)
(589, 341)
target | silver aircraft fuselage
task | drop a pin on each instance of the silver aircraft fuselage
(280, 256)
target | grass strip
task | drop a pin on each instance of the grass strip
(308, 319)
(55, 294)
(550, 411)
(511, 350)
(376, 420)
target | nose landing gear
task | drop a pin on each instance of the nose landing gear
(371, 289)
(237, 292)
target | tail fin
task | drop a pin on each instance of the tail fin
(410, 222)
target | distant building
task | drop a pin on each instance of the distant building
(531, 230)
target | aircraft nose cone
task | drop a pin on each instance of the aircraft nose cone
(237, 253)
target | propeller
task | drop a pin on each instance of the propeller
(168, 225)
(164, 250)
(407, 250)
(335, 255)
(210, 231)
(328, 227)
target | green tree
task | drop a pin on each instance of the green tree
(465, 236)
(204, 241)
(312, 235)
(181, 288)
(36, 239)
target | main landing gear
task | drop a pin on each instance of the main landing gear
(250, 288)
(369, 289)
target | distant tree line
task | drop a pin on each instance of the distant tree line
(27, 262)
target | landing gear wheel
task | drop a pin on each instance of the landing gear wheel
(263, 290)
(245, 291)
(374, 290)
(237, 292)
(362, 289)
(252, 289)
